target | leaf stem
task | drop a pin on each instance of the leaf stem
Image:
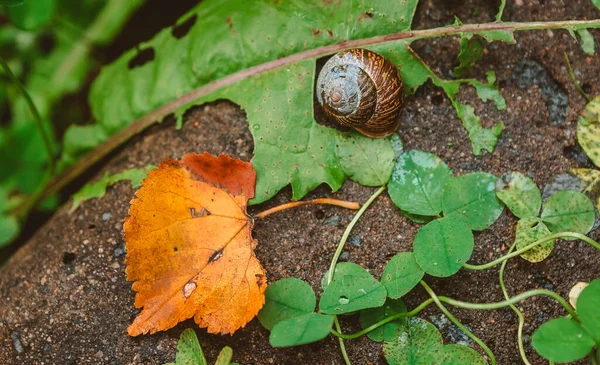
(156, 115)
(466, 305)
(374, 326)
(529, 247)
(500, 11)
(46, 139)
(458, 323)
(515, 309)
(339, 203)
(346, 234)
(341, 340)
(572, 74)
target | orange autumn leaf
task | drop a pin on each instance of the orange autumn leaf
(189, 246)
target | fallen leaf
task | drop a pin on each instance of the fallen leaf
(189, 246)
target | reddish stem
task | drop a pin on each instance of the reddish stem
(339, 203)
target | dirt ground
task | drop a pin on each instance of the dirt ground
(65, 300)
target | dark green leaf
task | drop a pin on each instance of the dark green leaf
(528, 231)
(588, 130)
(562, 340)
(588, 305)
(32, 14)
(569, 211)
(444, 245)
(98, 189)
(368, 161)
(596, 3)
(520, 194)
(11, 2)
(401, 274)
(473, 195)
(471, 51)
(389, 331)
(587, 41)
(418, 344)
(419, 219)
(355, 290)
(284, 299)
(418, 181)
(481, 138)
(301, 330)
(460, 355)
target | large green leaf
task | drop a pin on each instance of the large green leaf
(301, 330)
(444, 245)
(401, 274)
(588, 304)
(418, 181)
(284, 299)
(528, 231)
(562, 340)
(355, 290)
(367, 161)
(473, 195)
(290, 147)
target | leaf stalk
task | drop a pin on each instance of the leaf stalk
(329, 201)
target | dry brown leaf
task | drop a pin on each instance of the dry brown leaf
(189, 246)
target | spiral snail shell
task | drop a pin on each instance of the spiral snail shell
(360, 89)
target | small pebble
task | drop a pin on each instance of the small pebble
(333, 220)
(17, 342)
(354, 240)
(106, 216)
(119, 251)
(345, 256)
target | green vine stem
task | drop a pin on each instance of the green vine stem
(500, 11)
(572, 74)
(466, 305)
(346, 234)
(458, 323)
(144, 122)
(515, 309)
(551, 237)
(46, 139)
(336, 257)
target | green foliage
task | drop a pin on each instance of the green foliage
(473, 195)
(365, 160)
(32, 14)
(301, 330)
(444, 245)
(9, 229)
(562, 340)
(520, 194)
(389, 331)
(11, 2)
(418, 181)
(566, 339)
(596, 3)
(356, 289)
(98, 189)
(189, 351)
(284, 299)
(569, 211)
(587, 309)
(471, 51)
(588, 130)
(529, 230)
(401, 275)
(421, 344)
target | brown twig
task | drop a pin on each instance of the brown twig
(339, 203)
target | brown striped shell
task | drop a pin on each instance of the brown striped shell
(360, 89)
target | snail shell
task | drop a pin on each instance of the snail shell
(360, 89)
